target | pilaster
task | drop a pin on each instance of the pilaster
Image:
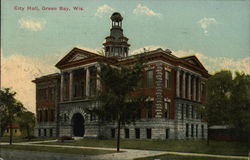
(87, 81)
(61, 87)
(184, 85)
(189, 87)
(177, 85)
(70, 85)
(159, 90)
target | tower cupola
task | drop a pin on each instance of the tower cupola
(116, 44)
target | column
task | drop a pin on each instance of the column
(199, 89)
(184, 85)
(189, 87)
(194, 88)
(177, 85)
(87, 81)
(98, 83)
(70, 85)
(62, 86)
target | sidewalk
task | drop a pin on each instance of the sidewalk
(128, 154)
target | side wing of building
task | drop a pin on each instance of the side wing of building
(47, 98)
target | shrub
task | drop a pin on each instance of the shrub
(29, 137)
(63, 138)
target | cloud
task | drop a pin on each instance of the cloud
(214, 64)
(205, 22)
(17, 73)
(32, 24)
(144, 10)
(104, 9)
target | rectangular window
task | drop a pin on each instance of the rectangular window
(149, 113)
(137, 133)
(40, 116)
(47, 94)
(192, 112)
(50, 132)
(150, 79)
(46, 115)
(51, 94)
(75, 90)
(15, 130)
(187, 130)
(52, 115)
(202, 131)
(7, 130)
(192, 130)
(182, 111)
(44, 132)
(196, 130)
(66, 86)
(82, 89)
(39, 132)
(197, 115)
(126, 130)
(149, 133)
(138, 115)
(203, 90)
(112, 132)
(167, 107)
(167, 79)
(167, 133)
(187, 111)
(139, 83)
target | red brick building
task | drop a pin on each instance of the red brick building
(173, 85)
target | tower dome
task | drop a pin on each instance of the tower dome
(116, 45)
(116, 17)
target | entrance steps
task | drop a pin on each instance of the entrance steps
(77, 138)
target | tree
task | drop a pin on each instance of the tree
(219, 88)
(10, 109)
(26, 120)
(240, 104)
(228, 100)
(118, 103)
(217, 109)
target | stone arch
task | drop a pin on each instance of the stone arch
(78, 110)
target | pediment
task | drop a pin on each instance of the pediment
(193, 60)
(75, 55)
(78, 57)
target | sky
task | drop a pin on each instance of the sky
(33, 41)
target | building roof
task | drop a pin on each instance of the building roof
(14, 126)
(79, 56)
(47, 77)
(219, 127)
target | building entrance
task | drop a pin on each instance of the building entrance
(78, 125)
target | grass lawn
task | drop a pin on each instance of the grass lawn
(180, 157)
(21, 139)
(57, 149)
(192, 146)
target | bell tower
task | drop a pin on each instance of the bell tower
(116, 45)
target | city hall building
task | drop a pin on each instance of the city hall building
(174, 86)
